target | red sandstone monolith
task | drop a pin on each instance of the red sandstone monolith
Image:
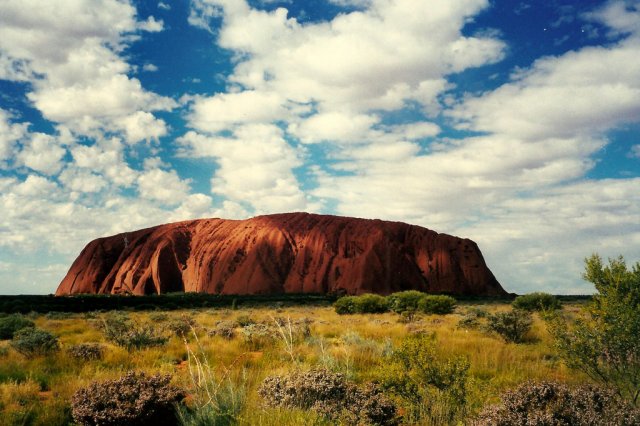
(281, 253)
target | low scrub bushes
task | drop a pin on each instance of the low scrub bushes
(134, 399)
(12, 323)
(364, 304)
(548, 403)
(536, 302)
(404, 302)
(436, 304)
(120, 330)
(182, 326)
(346, 305)
(225, 329)
(512, 326)
(32, 342)
(330, 395)
(86, 351)
(472, 318)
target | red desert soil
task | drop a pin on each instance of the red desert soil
(281, 253)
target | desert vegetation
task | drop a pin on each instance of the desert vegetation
(405, 359)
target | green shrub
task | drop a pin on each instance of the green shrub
(120, 330)
(32, 342)
(257, 336)
(134, 399)
(404, 301)
(433, 388)
(537, 302)
(182, 326)
(370, 304)
(225, 329)
(602, 341)
(11, 323)
(472, 318)
(244, 320)
(345, 305)
(548, 403)
(512, 326)
(436, 304)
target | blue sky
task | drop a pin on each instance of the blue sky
(514, 123)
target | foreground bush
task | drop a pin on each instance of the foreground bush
(134, 399)
(436, 304)
(32, 342)
(537, 302)
(512, 326)
(603, 341)
(548, 403)
(330, 395)
(13, 323)
(433, 387)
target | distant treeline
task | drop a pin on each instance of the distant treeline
(172, 301)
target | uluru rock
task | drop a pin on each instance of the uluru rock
(281, 253)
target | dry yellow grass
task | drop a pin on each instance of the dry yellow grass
(354, 345)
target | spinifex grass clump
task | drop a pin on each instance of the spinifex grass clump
(537, 302)
(122, 331)
(216, 399)
(548, 403)
(134, 399)
(32, 342)
(10, 324)
(330, 395)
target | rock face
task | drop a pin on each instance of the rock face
(282, 253)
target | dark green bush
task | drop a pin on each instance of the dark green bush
(370, 304)
(134, 399)
(32, 342)
(512, 326)
(548, 403)
(436, 304)
(537, 302)
(330, 395)
(9, 324)
(345, 305)
(404, 301)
